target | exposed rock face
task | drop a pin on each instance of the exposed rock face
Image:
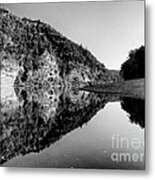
(40, 52)
(47, 73)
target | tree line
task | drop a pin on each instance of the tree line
(134, 66)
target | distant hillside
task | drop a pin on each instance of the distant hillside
(44, 56)
(134, 67)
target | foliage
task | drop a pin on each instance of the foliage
(26, 40)
(134, 67)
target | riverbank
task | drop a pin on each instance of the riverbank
(131, 88)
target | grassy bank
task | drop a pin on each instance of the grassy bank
(131, 88)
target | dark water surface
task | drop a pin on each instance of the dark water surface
(72, 129)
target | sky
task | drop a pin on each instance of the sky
(108, 29)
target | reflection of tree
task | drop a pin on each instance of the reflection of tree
(136, 110)
(38, 122)
(43, 116)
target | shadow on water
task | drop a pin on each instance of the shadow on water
(40, 118)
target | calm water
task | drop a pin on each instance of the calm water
(72, 129)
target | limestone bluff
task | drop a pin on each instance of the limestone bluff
(34, 53)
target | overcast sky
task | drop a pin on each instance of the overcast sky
(108, 29)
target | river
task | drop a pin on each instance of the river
(73, 129)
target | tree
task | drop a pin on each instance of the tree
(134, 67)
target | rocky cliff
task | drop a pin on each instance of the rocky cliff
(42, 56)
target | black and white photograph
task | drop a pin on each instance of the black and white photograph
(72, 85)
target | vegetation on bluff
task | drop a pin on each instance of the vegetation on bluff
(26, 40)
(134, 67)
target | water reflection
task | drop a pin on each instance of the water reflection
(136, 110)
(42, 117)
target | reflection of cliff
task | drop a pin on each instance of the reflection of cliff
(136, 110)
(40, 119)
